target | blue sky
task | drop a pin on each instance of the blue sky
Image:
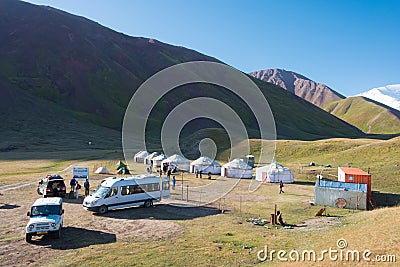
(352, 46)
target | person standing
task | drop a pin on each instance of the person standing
(78, 186)
(86, 185)
(173, 182)
(281, 187)
(72, 183)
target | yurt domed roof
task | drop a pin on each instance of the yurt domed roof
(142, 154)
(205, 161)
(160, 157)
(237, 164)
(177, 159)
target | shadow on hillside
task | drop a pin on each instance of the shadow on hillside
(161, 212)
(304, 183)
(73, 238)
(386, 199)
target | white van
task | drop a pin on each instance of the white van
(46, 218)
(115, 193)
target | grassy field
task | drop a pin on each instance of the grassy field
(170, 236)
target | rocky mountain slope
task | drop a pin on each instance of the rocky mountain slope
(317, 93)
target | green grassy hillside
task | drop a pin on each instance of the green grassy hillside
(367, 115)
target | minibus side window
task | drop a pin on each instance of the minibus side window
(165, 185)
(145, 188)
(124, 190)
(138, 189)
(113, 192)
(156, 187)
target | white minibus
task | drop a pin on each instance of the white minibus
(123, 192)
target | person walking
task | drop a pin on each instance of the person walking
(281, 187)
(72, 183)
(86, 185)
(78, 186)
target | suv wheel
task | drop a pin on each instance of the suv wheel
(148, 203)
(28, 238)
(57, 234)
(103, 209)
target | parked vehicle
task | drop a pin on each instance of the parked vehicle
(52, 186)
(46, 218)
(115, 193)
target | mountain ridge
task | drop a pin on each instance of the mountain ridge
(317, 93)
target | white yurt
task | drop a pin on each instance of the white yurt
(237, 168)
(102, 170)
(274, 173)
(158, 159)
(181, 163)
(205, 165)
(139, 157)
(147, 160)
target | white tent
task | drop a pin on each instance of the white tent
(101, 170)
(147, 160)
(205, 165)
(274, 173)
(237, 168)
(181, 163)
(139, 157)
(157, 160)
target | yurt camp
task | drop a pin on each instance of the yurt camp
(181, 163)
(274, 173)
(205, 165)
(140, 156)
(147, 160)
(237, 168)
(158, 159)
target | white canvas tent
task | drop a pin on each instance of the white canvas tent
(237, 168)
(102, 170)
(274, 173)
(147, 160)
(157, 160)
(205, 165)
(181, 163)
(139, 157)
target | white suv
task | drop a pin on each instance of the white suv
(46, 218)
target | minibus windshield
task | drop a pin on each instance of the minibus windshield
(101, 191)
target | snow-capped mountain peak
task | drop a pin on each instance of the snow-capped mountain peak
(388, 95)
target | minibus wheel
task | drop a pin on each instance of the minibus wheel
(148, 203)
(103, 209)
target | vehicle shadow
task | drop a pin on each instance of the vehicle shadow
(6, 206)
(73, 238)
(161, 212)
